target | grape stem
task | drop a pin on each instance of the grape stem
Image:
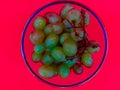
(83, 43)
(81, 49)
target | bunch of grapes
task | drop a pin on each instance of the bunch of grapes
(61, 43)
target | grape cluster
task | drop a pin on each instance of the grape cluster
(61, 43)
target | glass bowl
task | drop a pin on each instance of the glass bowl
(95, 30)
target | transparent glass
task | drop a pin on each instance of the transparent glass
(95, 30)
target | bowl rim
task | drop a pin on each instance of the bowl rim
(64, 2)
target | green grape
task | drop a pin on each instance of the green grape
(79, 36)
(39, 23)
(64, 71)
(93, 47)
(74, 15)
(77, 69)
(51, 40)
(58, 28)
(72, 62)
(63, 37)
(69, 47)
(39, 48)
(65, 10)
(87, 60)
(47, 71)
(49, 29)
(53, 18)
(47, 59)
(37, 37)
(58, 54)
(68, 26)
(36, 57)
(92, 50)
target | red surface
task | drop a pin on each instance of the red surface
(14, 74)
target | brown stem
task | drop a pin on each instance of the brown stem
(83, 43)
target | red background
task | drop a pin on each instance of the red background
(14, 74)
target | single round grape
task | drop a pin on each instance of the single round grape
(67, 25)
(37, 37)
(58, 54)
(69, 47)
(36, 57)
(47, 71)
(63, 37)
(93, 47)
(39, 48)
(77, 69)
(39, 23)
(79, 36)
(65, 10)
(92, 50)
(51, 40)
(87, 60)
(47, 59)
(74, 15)
(58, 28)
(53, 17)
(48, 29)
(64, 71)
(71, 63)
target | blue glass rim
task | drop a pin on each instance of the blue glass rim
(64, 2)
